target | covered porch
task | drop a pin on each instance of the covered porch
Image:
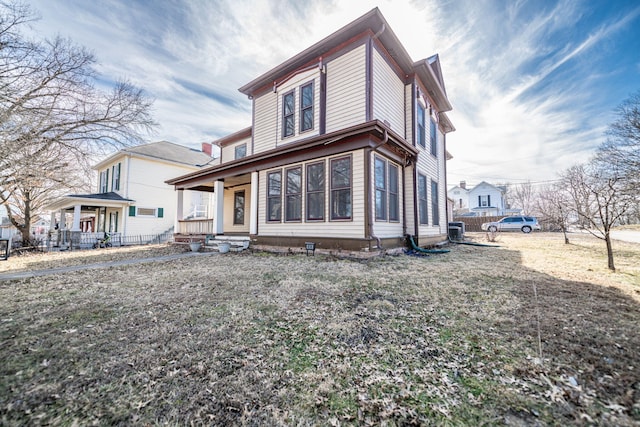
(234, 209)
(80, 220)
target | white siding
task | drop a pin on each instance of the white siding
(408, 113)
(265, 121)
(346, 90)
(228, 152)
(410, 199)
(336, 229)
(145, 184)
(388, 95)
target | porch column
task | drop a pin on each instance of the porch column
(52, 222)
(253, 214)
(76, 218)
(218, 207)
(179, 211)
(63, 219)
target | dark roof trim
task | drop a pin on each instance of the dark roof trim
(257, 161)
(432, 84)
(111, 196)
(234, 137)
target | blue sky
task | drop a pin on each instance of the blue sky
(533, 83)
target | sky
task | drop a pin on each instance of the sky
(533, 84)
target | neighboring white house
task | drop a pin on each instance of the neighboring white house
(131, 198)
(346, 148)
(486, 200)
(460, 197)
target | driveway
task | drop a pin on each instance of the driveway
(632, 236)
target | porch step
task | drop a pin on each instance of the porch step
(235, 243)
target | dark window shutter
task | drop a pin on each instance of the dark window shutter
(160, 212)
(132, 211)
(479, 201)
(489, 200)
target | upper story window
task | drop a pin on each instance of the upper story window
(288, 114)
(104, 181)
(484, 201)
(306, 107)
(240, 151)
(115, 177)
(421, 137)
(433, 138)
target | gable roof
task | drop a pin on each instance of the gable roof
(378, 28)
(486, 184)
(163, 150)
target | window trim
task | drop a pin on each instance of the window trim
(235, 151)
(274, 197)
(291, 93)
(435, 203)
(332, 190)
(396, 192)
(235, 206)
(288, 195)
(423, 202)
(383, 213)
(433, 137)
(310, 107)
(421, 136)
(115, 177)
(322, 191)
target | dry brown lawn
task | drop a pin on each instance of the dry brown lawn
(534, 332)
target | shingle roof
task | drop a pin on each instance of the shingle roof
(169, 151)
(102, 196)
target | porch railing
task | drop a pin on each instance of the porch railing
(195, 226)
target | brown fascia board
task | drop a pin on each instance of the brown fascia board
(372, 21)
(446, 124)
(374, 126)
(236, 136)
(427, 76)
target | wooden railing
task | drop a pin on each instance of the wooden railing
(195, 226)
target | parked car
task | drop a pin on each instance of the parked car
(526, 224)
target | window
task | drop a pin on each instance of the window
(115, 178)
(421, 126)
(435, 210)
(380, 179)
(422, 199)
(149, 212)
(306, 107)
(293, 195)
(434, 140)
(240, 151)
(341, 188)
(315, 192)
(274, 192)
(484, 201)
(238, 208)
(394, 204)
(104, 181)
(288, 119)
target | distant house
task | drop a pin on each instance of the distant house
(131, 198)
(346, 148)
(460, 197)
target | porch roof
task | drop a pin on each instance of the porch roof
(318, 146)
(110, 199)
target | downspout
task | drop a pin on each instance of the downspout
(385, 139)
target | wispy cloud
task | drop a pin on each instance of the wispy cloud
(531, 93)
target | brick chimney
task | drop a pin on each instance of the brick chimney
(206, 148)
(463, 185)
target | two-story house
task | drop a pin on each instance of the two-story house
(346, 148)
(460, 198)
(132, 198)
(486, 200)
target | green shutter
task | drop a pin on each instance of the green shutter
(160, 212)
(132, 211)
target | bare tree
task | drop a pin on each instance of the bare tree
(600, 199)
(523, 196)
(52, 116)
(554, 205)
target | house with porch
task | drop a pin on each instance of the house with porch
(131, 201)
(346, 149)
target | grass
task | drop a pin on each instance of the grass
(257, 339)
